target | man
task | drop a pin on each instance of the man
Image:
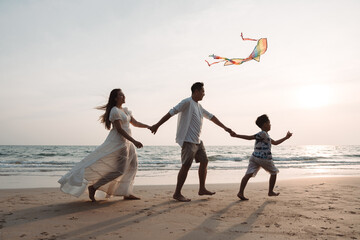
(190, 121)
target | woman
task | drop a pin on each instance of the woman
(112, 167)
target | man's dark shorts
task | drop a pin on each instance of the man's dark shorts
(190, 151)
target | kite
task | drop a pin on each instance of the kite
(259, 50)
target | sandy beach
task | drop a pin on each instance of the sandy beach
(308, 208)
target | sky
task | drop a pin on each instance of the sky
(60, 59)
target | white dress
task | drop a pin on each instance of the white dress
(114, 163)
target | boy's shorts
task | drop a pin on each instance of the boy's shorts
(255, 164)
(189, 151)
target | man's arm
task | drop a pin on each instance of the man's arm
(155, 127)
(288, 135)
(217, 122)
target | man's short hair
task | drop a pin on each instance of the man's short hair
(260, 121)
(197, 86)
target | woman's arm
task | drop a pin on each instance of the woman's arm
(118, 127)
(138, 124)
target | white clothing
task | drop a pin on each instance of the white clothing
(115, 160)
(190, 120)
(193, 134)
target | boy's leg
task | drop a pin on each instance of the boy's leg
(251, 171)
(244, 181)
(272, 182)
(269, 166)
(201, 157)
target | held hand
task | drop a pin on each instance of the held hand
(288, 134)
(231, 132)
(153, 129)
(138, 144)
(228, 130)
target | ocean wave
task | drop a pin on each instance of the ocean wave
(50, 159)
(226, 158)
(53, 154)
(27, 162)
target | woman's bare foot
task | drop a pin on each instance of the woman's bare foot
(181, 198)
(92, 191)
(241, 196)
(272, 194)
(205, 192)
(131, 197)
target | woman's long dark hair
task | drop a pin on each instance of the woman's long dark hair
(107, 107)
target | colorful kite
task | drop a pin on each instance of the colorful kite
(260, 49)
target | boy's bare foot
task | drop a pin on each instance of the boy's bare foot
(242, 197)
(181, 198)
(205, 192)
(131, 197)
(272, 194)
(92, 191)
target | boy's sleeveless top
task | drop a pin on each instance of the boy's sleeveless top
(262, 148)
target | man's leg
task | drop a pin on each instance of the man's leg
(180, 183)
(202, 158)
(187, 157)
(202, 179)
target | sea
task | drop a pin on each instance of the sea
(41, 166)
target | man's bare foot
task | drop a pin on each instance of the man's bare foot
(205, 192)
(131, 197)
(181, 198)
(272, 194)
(242, 197)
(92, 191)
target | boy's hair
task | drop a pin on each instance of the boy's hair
(197, 86)
(260, 121)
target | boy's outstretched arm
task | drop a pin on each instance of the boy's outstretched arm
(246, 137)
(288, 135)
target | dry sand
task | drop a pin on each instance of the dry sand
(316, 208)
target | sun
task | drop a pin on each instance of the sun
(314, 96)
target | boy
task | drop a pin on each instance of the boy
(261, 156)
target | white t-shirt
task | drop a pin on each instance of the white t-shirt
(190, 120)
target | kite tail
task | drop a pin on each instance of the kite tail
(212, 63)
(248, 39)
(215, 57)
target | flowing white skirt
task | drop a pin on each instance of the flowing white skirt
(112, 165)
